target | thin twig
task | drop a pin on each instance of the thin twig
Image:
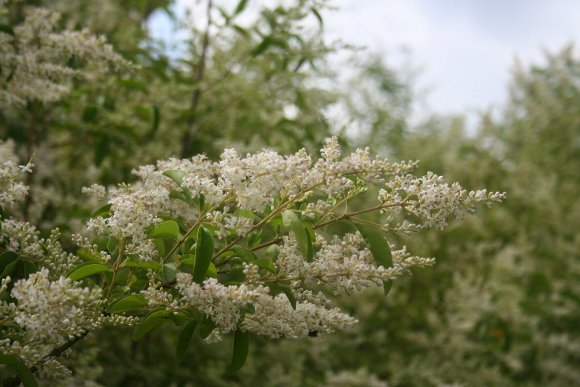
(196, 96)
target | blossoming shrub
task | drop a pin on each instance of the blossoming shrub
(243, 246)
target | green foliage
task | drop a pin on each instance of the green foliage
(500, 308)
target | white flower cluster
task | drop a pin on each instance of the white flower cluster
(237, 197)
(12, 189)
(272, 316)
(49, 313)
(54, 310)
(34, 59)
(432, 200)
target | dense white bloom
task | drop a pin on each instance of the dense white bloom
(35, 59)
(432, 200)
(12, 189)
(54, 310)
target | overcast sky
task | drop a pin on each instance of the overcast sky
(465, 49)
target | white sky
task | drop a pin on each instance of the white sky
(465, 49)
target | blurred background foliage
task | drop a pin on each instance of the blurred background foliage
(501, 307)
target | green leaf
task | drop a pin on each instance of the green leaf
(169, 272)
(292, 222)
(7, 261)
(187, 259)
(241, 31)
(287, 291)
(317, 15)
(240, 7)
(234, 276)
(128, 303)
(103, 212)
(175, 175)
(25, 375)
(168, 229)
(260, 48)
(310, 236)
(241, 347)
(184, 340)
(143, 265)
(206, 328)
(379, 248)
(155, 122)
(90, 114)
(151, 322)
(102, 149)
(211, 271)
(265, 264)
(203, 254)
(246, 254)
(87, 270)
(88, 255)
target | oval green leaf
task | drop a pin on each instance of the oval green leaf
(168, 229)
(151, 322)
(203, 254)
(25, 375)
(143, 265)
(265, 264)
(379, 248)
(184, 340)
(129, 303)
(206, 328)
(7, 261)
(104, 211)
(241, 347)
(175, 175)
(169, 272)
(87, 270)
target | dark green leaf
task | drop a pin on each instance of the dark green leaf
(168, 229)
(260, 48)
(184, 340)
(151, 322)
(87, 270)
(207, 326)
(143, 265)
(317, 15)
(379, 248)
(240, 7)
(25, 375)
(7, 259)
(265, 264)
(155, 121)
(88, 255)
(246, 254)
(292, 222)
(102, 149)
(90, 114)
(241, 347)
(234, 276)
(241, 31)
(203, 254)
(129, 303)
(287, 291)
